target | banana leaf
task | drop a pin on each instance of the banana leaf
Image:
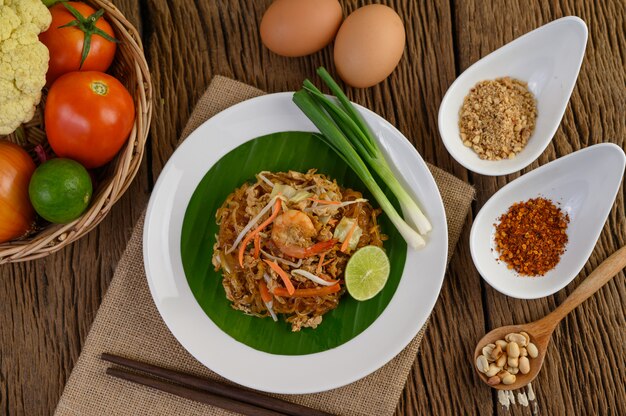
(276, 152)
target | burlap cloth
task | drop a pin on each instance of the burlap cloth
(129, 325)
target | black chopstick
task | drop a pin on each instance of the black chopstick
(191, 394)
(209, 389)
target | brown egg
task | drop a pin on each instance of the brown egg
(300, 27)
(369, 45)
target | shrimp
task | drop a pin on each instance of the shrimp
(292, 232)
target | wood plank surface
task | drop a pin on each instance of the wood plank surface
(566, 384)
(47, 306)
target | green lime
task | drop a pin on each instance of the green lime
(367, 272)
(60, 190)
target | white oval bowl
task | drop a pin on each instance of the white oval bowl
(548, 59)
(584, 185)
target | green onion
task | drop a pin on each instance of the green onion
(350, 121)
(335, 138)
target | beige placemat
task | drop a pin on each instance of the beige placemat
(128, 323)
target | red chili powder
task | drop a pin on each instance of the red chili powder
(531, 236)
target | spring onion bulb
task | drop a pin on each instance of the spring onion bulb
(335, 138)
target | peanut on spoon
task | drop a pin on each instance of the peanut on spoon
(516, 370)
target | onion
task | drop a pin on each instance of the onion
(16, 212)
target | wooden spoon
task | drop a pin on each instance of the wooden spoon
(541, 331)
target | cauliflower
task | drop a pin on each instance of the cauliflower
(23, 60)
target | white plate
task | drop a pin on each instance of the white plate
(387, 336)
(585, 184)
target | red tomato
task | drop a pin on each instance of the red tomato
(88, 117)
(16, 212)
(66, 43)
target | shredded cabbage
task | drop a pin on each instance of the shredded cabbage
(286, 190)
(341, 232)
(300, 196)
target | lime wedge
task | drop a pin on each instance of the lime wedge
(367, 272)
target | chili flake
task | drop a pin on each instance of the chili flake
(531, 236)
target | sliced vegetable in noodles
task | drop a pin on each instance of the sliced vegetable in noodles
(264, 224)
(264, 179)
(286, 190)
(283, 275)
(313, 277)
(251, 224)
(348, 229)
(267, 297)
(281, 260)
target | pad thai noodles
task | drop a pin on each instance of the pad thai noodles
(284, 242)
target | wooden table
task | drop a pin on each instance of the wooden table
(47, 306)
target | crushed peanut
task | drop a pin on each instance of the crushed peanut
(497, 118)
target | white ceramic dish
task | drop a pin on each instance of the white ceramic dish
(585, 184)
(387, 336)
(548, 59)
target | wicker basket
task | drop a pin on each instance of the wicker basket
(111, 181)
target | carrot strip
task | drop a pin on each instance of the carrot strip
(283, 275)
(303, 253)
(257, 245)
(246, 240)
(346, 242)
(318, 270)
(265, 292)
(304, 293)
(324, 201)
(320, 247)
